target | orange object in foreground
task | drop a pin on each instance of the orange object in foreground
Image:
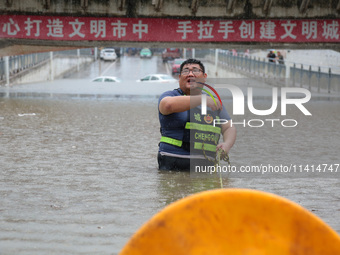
(234, 221)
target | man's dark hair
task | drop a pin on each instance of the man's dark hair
(192, 61)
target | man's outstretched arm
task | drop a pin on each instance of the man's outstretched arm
(170, 105)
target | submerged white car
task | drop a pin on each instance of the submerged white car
(163, 78)
(108, 54)
(106, 79)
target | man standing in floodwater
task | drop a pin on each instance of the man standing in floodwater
(189, 137)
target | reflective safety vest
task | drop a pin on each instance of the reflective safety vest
(199, 133)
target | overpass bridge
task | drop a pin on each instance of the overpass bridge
(45, 25)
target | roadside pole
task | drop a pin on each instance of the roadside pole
(7, 70)
(51, 66)
(78, 60)
(216, 62)
(95, 54)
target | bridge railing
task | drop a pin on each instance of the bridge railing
(314, 78)
(81, 52)
(17, 64)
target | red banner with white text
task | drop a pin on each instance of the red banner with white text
(167, 30)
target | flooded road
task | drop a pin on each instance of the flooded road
(126, 68)
(80, 176)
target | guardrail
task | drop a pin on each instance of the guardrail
(17, 64)
(315, 79)
(285, 74)
(20, 63)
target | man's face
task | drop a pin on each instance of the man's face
(188, 77)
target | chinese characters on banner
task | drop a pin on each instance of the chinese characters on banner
(167, 30)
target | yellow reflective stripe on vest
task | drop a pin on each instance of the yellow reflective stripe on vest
(172, 141)
(203, 127)
(207, 147)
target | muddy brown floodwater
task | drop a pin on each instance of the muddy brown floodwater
(80, 176)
